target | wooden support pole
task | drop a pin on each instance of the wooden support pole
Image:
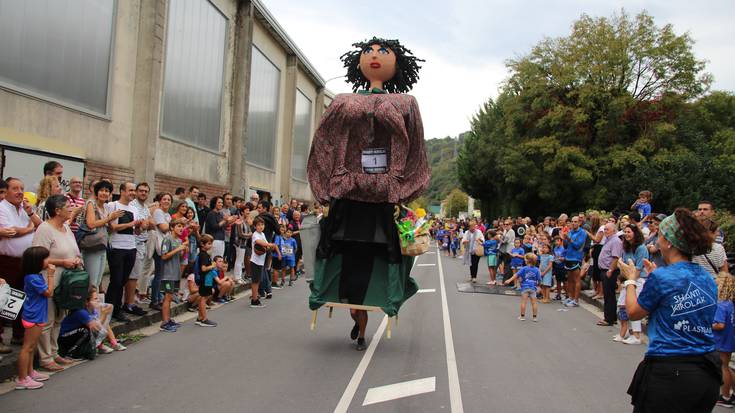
(313, 320)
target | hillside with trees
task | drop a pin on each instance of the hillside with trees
(442, 157)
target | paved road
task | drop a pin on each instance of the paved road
(268, 360)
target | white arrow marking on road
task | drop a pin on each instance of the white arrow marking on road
(426, 290)
(426, 265)
(455, 394)
(400, 390)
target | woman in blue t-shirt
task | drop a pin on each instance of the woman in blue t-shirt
(681, 370)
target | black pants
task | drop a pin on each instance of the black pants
(78, 344)
(673, 387)
(609, 285)
(121, 263)
(474, 260)
(505, 260)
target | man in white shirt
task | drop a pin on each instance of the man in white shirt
(143, 267)
(122, 252)
(191, 201)
(17, 224)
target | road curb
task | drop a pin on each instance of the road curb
(9, 363)
(586, 296)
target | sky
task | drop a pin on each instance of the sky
(466, 42)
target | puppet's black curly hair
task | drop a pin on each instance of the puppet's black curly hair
(407, 68)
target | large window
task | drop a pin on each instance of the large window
(265, 80)
(58, 50)
(301, 136)
(192, 88)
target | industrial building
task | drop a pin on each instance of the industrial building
(212, 93)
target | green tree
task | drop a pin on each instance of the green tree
(588, 120)
(456, 202)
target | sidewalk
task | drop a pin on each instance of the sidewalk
(9, 362)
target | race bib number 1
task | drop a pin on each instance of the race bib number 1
(11, 302)
(375, 161)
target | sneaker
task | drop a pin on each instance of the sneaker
(617, 338)
(103, 349)
(723, 402)
(138, 311)
(276, 287)
(290, 283)
(39, 377)
(557, 297)
(173, 322)
(120, 318)
(268, 296)
(119, 347)
(256, 304)
(168, 328)
(573, 303)
(206, 323)
(534, 319)
(360, 344)
(27, 384)
(192, 308)
(522, 317)
(230, 298)
(490, 283)
(632, 340)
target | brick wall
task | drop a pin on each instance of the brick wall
(169, 184)
(116, 174)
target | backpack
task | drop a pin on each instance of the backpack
(71, 293)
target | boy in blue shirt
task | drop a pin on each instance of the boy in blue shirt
(643, 204)
(288, 249)
(516, 261)
(491, 252)
(557, 267)
(529, 277)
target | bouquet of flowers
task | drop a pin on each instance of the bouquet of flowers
(413, 230)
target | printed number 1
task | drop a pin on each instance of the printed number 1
(375, 160)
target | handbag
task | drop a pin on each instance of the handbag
(479, 250)
(420, 245)
(91, 239)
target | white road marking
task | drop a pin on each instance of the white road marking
(426, 290)
(426, 265)
(400, 390)
(455, 394)
(344, 402)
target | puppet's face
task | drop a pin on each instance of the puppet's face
(378, 63)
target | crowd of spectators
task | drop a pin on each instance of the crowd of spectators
(182, 247)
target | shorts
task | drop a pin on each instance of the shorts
(530, 291)
(257, 272)
(140, 257)
(277, 264)
(205, 291)
(28, 324)
(288, 264)
(622, 314)
(168, 286)
(492, 260)
(559, 273)
(570, 265)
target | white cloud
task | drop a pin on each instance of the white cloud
(465, 43)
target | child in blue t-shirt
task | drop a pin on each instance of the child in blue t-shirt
(516, 261)
(491, 252)
(529, 277)
(34, 313)
(446, 240)
(546, 273)
(723, 329)
(454, 246)
(277, 259)
(643, 204)
(557, 267)
(288, 249)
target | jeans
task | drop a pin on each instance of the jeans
(121, 264)
(94, 263)
(265, 282)
(609, 284)
(156, 282)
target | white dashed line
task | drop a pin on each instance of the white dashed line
(400, 390)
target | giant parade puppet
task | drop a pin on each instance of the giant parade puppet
(367, 160)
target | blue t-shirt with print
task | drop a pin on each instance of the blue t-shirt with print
(288, 250)
(516, 262)
(529, 276)
(35, 307)
(681, 299)
(490, 246)
(77, 319)
(640, 254)
(644, 209)
(725, 338)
